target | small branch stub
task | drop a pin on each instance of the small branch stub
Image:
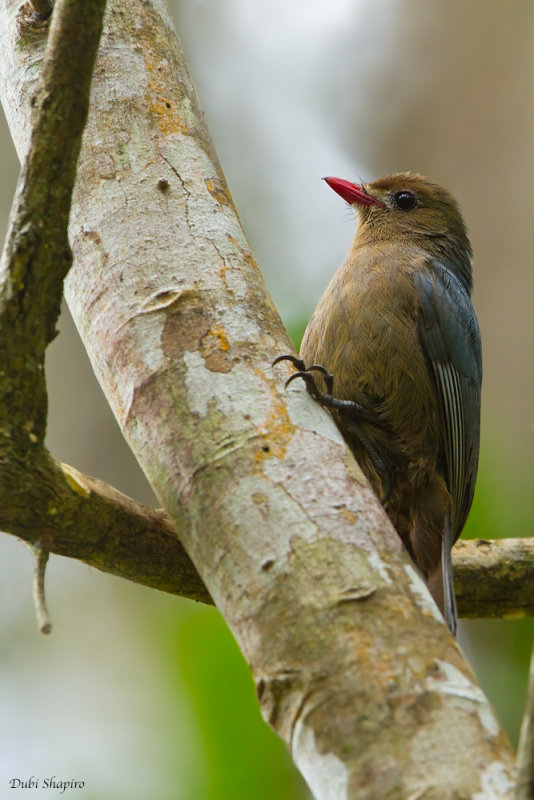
(40, 558)
(43, 8)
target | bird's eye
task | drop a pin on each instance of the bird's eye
(405, 200)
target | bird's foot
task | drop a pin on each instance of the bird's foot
(327, 399)
(350, 411)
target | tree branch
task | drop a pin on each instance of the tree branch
(64, 511)
(84, 518)
(96, 524)
(494, 578)
(37, 256)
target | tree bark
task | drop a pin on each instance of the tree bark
(494, 578)
(353, 665)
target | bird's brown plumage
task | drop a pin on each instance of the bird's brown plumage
(396, 329)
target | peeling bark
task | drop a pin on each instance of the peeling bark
(353, 664)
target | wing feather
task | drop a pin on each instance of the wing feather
(451, 342)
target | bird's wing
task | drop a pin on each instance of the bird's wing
(451, 341)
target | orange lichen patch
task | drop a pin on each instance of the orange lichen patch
(218, 334)
(276, 435)
(219, 192)
(165, 112)
(214, 350)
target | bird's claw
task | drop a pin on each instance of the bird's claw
(309, 380)
(306, 377)
(348, 408)
(298, 363)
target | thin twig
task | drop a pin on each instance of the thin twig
(40, 558)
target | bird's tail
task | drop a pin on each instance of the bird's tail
(441, 582)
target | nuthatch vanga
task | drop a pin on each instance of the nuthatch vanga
(394, 351)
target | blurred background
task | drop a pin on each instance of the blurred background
(141, 694)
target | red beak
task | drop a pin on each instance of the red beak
(352, 193)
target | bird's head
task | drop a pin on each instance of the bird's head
(407, 207)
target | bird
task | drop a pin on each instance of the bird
(393, 349)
